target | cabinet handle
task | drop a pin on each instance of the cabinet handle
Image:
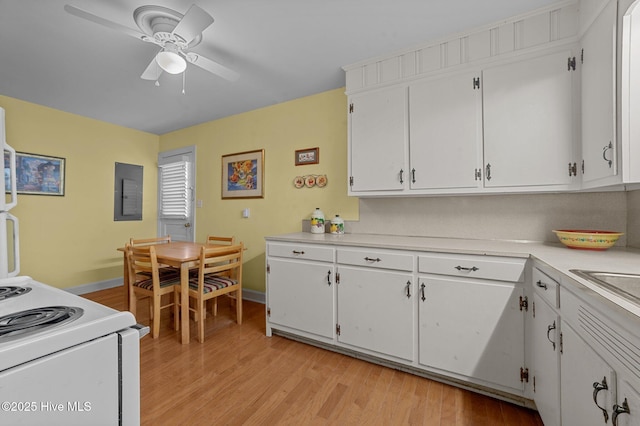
(550, 328)
(604, 153)
(370, 259)
(541, 284)
(408, 289)
(464, 268)
(620, 409)
(401, 178)
(487, 172)
(597, 387)
(413, 175)
(423, 297)
(329, 278)
(297, 253)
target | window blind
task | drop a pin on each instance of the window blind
(175, 188)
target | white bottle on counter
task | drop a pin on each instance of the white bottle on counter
(337, 225)
(317, 222)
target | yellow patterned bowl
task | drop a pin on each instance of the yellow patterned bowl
(587, 239)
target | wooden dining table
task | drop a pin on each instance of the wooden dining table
(179, 254)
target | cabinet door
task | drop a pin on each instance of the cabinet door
(546, 361)
(598, 97)
(376, 311)
(378, 144)
(583, 374)
(445, 136)
(528, 122)
(300, 295)
(628, 405)
(473, 328)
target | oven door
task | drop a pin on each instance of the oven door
(75, 386)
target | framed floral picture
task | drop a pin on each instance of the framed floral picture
(243, 175)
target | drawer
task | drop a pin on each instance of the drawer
(470, 266)
(384, 259)
(546, 287)
(301, 251)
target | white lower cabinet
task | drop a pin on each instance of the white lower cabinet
(375, 311)
(587, 382)
(472, 328)
(300, 292)
(545, 347)
(546, 361)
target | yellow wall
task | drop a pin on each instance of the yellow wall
(315, 121)
(71, 240)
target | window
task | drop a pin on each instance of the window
(175, 190)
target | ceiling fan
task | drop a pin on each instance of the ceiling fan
(175, 33)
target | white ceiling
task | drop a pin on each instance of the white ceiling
(282, 49)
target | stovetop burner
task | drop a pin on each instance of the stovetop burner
(19, 324)
(7, 292)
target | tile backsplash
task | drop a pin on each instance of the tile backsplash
(529, 217)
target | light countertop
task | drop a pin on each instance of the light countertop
(557, 256)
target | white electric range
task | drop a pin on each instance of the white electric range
(65, 359)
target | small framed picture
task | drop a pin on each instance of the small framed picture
(307, 156)
(243, 175)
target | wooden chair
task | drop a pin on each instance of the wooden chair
(218, 240)
(219, 272)
(149, 241)
(214, 239)
(145, 280)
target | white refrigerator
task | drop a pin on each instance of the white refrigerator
(9, 239)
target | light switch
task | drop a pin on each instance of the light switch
(199, 204)
(245, 213)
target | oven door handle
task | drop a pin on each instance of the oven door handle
(143, 330)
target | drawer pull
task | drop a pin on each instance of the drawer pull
(329, 277)
(423, 297)
(620, 409)
(541, 284)
(297, 253)
(550, 328)
(370, 259)
(408, 289)
(597, 387)
(464, 268)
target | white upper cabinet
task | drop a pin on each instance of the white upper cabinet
(528, 122)
(378, 140)
(598, 67)
(629, 17)
(488, 111)
(446, 132)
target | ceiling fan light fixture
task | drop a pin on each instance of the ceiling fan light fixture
(171, 62)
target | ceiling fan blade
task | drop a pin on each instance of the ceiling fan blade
(152, 72)
(212, 66)
(104, 22)
(194, 22)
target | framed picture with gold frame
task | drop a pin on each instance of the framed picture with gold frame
(243, 175)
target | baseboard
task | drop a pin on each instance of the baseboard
(97, 286)
(253, 296)
(247, 294)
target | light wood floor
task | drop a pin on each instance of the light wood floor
(239, 376)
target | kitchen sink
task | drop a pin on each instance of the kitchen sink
(625, 285)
